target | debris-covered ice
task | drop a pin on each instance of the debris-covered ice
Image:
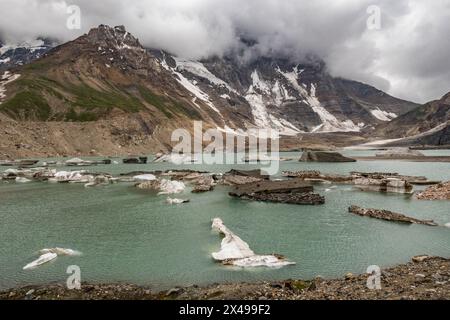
(170, 187)
(235, 251)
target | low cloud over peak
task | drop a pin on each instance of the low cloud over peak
(407, 56)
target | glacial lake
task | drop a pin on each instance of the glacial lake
(131, 235)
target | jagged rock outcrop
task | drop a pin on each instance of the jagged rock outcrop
(321, 156)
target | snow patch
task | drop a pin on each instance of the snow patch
(198, 69)
(6, 60)
(329, 122)
(6, 78)
(383, 115)
(190, 86)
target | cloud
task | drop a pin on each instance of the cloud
(407, 57)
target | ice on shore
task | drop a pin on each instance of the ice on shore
(44, 258)
(235, 251)
(22, 180)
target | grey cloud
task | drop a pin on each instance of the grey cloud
(408, 57)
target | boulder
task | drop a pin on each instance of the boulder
(321, 156)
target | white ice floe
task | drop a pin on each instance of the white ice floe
(144, 177)
(176, 201)
(171, 186)
(47, 255)
(237, 252)
(383, 115)
(22, 180)
(447, 225)
(72, 176)
(61, 252)
(44, 258)
(77, 161)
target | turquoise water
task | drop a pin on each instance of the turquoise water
(130, 235)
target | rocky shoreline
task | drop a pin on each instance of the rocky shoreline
(424, 278)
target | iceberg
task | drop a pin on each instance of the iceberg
(176, 201)
(44, 258)
(235, 251)
(61, 252)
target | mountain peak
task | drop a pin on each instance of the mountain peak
(113, 37)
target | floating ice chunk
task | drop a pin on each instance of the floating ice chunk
(234, 251)
(144, 177)
(447, 225)
(61, 252)
(22, 180)
(170, 187)
(232, 247)
(74, 176)
(44, 258)
(262, 261)
(176, 201)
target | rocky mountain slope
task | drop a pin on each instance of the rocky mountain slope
(288, 96)
(428, 124)
(108, 76)
(23, 53)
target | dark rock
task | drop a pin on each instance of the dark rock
(287, 191)
(388, 216)
(320, 156)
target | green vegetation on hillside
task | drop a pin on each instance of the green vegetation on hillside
(37, 99)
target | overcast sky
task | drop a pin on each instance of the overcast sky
(409, 56)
